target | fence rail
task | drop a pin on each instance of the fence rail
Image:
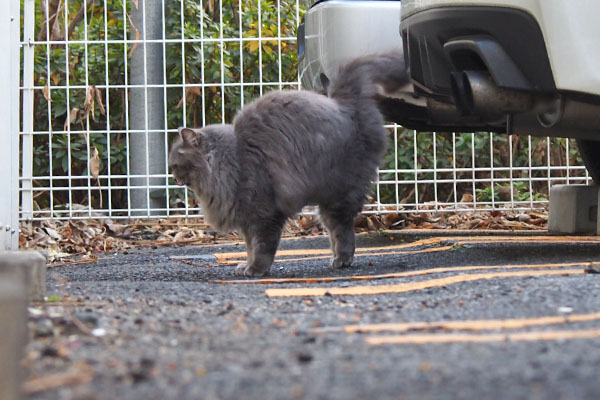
(106, 83)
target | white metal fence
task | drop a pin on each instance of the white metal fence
(106, 83)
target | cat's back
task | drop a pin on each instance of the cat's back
(292, 131)
(288, 100)
(287, 115)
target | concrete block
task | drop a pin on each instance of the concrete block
(573, 209)
(30, 266)
(13, 320)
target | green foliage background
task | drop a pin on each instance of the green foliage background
(102, 62)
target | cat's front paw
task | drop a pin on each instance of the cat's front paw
(240, 270)
(340, 262)
(245, 270)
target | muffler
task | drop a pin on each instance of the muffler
(476, 93)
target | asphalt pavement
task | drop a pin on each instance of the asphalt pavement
(419, 316)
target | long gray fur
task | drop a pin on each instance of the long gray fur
(287, 150)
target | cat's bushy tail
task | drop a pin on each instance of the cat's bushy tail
(361, 77)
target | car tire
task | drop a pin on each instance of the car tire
(590, 154)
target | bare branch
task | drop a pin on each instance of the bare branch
(76, 20)
(49, 16)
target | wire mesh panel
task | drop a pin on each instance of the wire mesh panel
(106, 84)
(467, 171)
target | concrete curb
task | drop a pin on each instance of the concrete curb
(13, 320)
(30, 267)
(573, 209)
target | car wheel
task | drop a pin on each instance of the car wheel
(590, 154)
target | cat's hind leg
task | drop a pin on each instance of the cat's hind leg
(262, 239)
(340, 225)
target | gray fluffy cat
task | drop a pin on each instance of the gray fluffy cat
(287, 150)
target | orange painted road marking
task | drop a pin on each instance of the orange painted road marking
(235, 257)
(393, 275)
(411, 286)
(470, 325)
(360, 254)
(485, 338)
(310, 252)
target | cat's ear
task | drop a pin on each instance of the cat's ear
(189, 136)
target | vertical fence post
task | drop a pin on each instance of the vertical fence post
(146, 111)
(27, 108)
(9, 126)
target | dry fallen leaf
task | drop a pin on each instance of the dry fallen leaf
(47, 94)
(182, 235)
(123, 230)
(72, 117)
(56, 31)
(95, 163)
(53, 233)
(99, 101)
(54, 254)
(94, 166)
(466, 198)
(88, 106)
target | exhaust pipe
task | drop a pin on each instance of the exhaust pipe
(568, 117)
(476, 93)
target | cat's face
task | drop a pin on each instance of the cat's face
(186, 159)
